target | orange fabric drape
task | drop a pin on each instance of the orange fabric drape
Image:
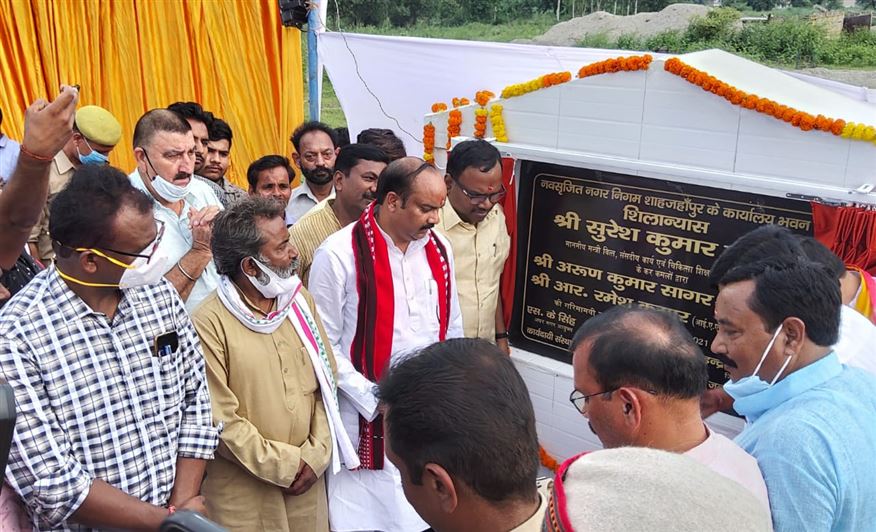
(232, 56)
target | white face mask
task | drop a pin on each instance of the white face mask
(164, 188)
(167, 190)
(276, 284)
(143, 272)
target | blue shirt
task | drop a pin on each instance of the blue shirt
(9, 150)
(178, 240)
(814, 436)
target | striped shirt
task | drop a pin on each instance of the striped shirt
(93, 402)
(311, 231)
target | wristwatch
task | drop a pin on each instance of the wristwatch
(501, 335)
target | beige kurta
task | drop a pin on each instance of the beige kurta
(263, 389)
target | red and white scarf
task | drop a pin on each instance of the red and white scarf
(372, 344)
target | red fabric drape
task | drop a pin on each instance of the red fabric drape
(850, 232)
(509, 204)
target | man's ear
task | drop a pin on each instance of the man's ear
(440, 485)
(248, 266)
(449, 182)
(631, 407)
(339, 180)
(794, 335)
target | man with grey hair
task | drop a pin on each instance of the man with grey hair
(272, 379)
(165, 152)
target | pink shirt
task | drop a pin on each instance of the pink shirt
(728, 459)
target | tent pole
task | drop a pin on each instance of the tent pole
(312, 66)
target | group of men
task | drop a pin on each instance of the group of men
(171, 334)
(334, 356)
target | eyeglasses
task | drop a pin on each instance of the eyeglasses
(580, 401)
(478, 198)
(152, 247)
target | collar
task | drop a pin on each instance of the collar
(65, 297)
(3, 140)
(450, 218)
(795, 384)
(62, 163)
(246, 301)
(304, 190)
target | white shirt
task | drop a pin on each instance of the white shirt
(723, 456)
(9, 150)
(857, 340)
(178, 240)
(374, 500)
(301, 201)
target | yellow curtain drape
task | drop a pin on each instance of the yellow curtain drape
(233, 57)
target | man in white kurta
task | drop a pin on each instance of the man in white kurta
(409, 197)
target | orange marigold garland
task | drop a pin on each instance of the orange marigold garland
(498, 123)
(617, 64)
(454, 121)
(796, 118)
(548, 80)
(480, 126)
(484, 97)
(547, 460)
(459, 102)
(429, 143)
(437, 107)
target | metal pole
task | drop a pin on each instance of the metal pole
(312, 70)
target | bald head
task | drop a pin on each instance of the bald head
(158, 121)
(648, 349)
(399, 177)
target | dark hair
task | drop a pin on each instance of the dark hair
(82, 214)
(820, 254)
(309, 127)
(343, 136)
(759, 244)
(788, 287)
(352, 154)
(236, 234)
(399, 176)
(462, 404)
(220, 130)
(192, 111)
(385, 139)
(157, 121)
(266, 163)
(645, 348)
(478, 154)
(1, 116)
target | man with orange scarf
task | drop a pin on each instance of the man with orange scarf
(384, 286)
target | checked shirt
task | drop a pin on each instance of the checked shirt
(93, 401)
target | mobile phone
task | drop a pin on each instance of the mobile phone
(7, 423)
(187, 521)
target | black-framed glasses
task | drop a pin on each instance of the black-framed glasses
(153, 246)
(579, 400)
(478, 198)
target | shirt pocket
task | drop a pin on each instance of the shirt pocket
(298, 378)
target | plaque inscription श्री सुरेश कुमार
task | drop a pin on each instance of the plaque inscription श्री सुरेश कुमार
(590, 240)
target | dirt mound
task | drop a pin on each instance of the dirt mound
(571, 32)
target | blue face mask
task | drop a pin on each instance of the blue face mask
(95, 157)
(751, 385)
